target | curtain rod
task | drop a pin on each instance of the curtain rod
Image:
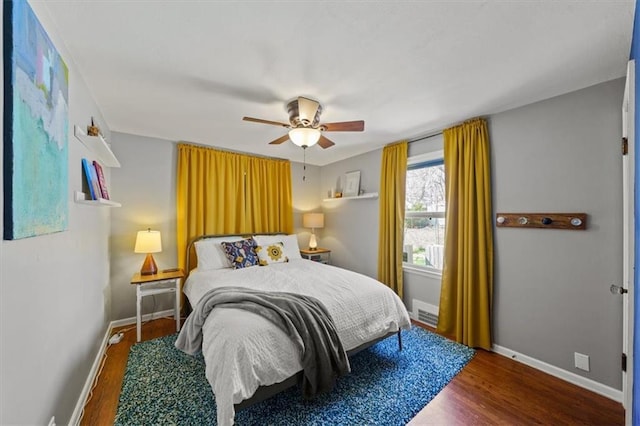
(232, 151)
(424, 137)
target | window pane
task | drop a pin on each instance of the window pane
(424, 242)
(425, 189)
(424, 218)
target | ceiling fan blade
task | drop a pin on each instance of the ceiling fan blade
(345, 126)
(259, 120)
(307, 109)
(280, 140)
(325, 143)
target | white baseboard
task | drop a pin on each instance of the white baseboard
(145, 317)
(565, 375)
(77, 412)
(560, 373)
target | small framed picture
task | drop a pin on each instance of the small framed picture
(352, 184)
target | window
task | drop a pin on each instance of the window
(425, 212)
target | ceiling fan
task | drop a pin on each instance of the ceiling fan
(305, 127)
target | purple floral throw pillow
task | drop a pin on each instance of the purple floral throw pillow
(241, 253)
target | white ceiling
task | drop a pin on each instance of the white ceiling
(190, 70)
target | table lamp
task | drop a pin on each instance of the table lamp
(313, 221)
(148, 242)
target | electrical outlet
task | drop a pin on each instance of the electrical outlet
(581, 361)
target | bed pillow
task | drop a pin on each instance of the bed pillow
(211, 255)
(290, 243)
(272, 253)
(241, 254)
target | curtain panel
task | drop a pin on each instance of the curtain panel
(269, 201)
(221, 192)
(467, 278)
(391, 229)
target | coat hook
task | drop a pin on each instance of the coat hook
(575, 221)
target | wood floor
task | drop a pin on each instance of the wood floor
(490, 390)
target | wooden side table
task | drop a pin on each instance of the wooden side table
(149, 285)
(321, 255)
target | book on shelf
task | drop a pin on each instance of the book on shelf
(102, 182)
(92, 179)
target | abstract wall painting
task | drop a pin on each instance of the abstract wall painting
(36, 127)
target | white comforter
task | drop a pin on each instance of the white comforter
(243, 350)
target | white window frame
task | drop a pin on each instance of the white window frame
(412, 267)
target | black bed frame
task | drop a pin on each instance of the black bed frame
(266, 392)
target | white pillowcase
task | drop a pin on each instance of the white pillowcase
(290, 243)
(211, 255)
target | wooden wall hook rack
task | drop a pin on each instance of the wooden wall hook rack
(574, 221)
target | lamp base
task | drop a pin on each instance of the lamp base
(149, 266)
(313, 243)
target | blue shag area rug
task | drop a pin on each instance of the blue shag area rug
(163, 385)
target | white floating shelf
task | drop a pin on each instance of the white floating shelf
(81, 198)
(357, 197)
(99, 146)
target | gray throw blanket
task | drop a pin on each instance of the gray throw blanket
(305, 319)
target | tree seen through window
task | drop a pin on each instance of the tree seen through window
(425, 215)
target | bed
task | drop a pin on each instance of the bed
(247, 357)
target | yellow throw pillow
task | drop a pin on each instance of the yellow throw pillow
(272, 253)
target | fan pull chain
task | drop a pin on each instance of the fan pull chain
(304, 163)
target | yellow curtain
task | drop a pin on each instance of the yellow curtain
(220, 192)
(467, 277)
(269, 202)
(392, 195)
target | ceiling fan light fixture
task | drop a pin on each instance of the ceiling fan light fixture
(304, 136)
(305, 128)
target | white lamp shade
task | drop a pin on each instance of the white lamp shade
(304, 136)
(148, 242)
(313, 220)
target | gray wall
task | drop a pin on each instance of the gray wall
(552, 298)
(306, 198)
(54, 289)
(146, 187)
(551, 287)
(351, 226)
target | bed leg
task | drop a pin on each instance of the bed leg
(399, 340)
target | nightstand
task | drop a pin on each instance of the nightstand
(321, 255)
(149, 285)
